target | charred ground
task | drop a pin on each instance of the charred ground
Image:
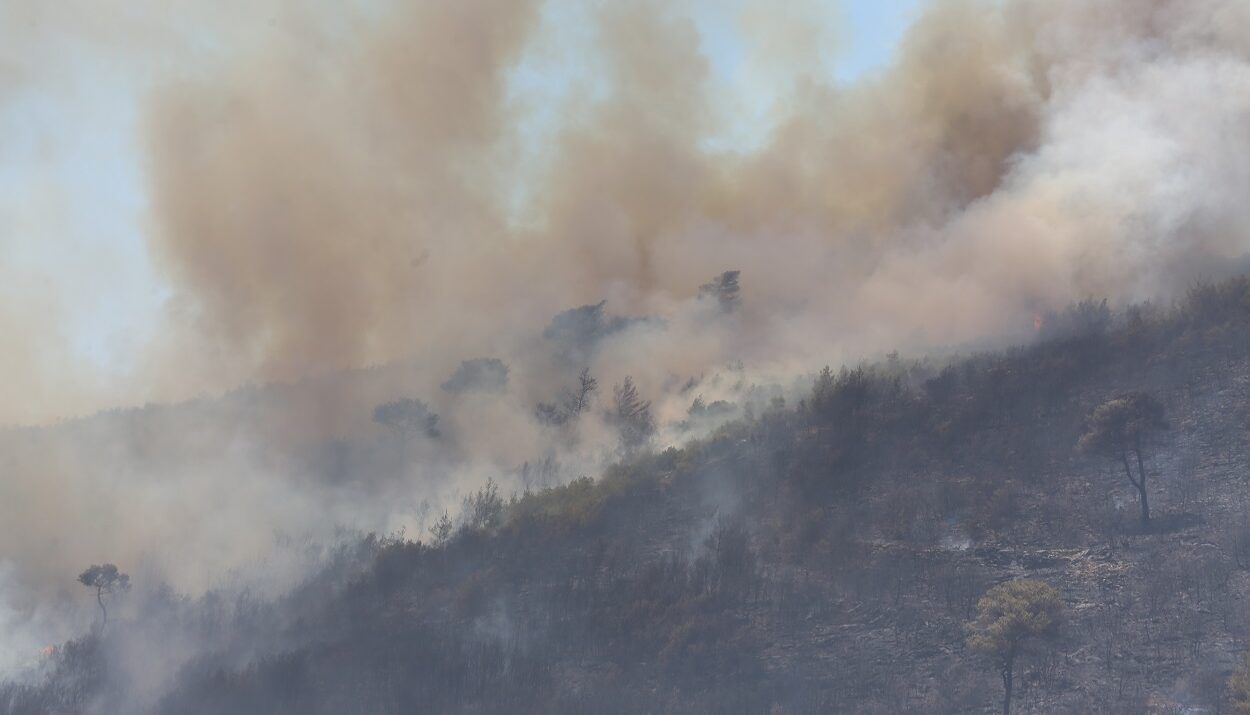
(820, 557)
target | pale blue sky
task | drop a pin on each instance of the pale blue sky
(875, 28)
(73, 196)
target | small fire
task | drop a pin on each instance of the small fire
(1037, 323)
(48, 650)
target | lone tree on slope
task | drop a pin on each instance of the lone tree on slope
(1008, 616)
(1125, 426)
(106, 580)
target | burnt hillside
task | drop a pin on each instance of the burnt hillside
(818, 557)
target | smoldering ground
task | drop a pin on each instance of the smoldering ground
(334, 187)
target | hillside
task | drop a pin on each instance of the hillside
(826, 556)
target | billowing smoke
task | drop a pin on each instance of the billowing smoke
(335, 187)
(342, 197)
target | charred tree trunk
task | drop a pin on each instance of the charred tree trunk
(1139, 485)
(1141, 474)
(1008, 673)
(99, 598)
(1145, 504)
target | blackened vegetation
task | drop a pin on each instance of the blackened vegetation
(406, 419)
(576, 333)
(703, 412)
(826, 558)
(631, 415)
(575, 401)
(724, 290)
(478, 375)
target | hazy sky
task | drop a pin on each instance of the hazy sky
(72, 188)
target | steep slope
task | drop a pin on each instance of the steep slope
(821, 557)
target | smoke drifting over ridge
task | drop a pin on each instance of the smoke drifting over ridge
(336, 201)
(345, 188)
(334, 185)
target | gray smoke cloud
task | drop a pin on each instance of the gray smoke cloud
(336, 187)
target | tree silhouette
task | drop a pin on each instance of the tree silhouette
(405, 418)
(578, 400)
(478, 375)
(631, 415)
(724, 289)
(575, 401)
(106, 580)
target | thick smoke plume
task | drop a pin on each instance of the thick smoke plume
(339, 198)
(337, 187)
